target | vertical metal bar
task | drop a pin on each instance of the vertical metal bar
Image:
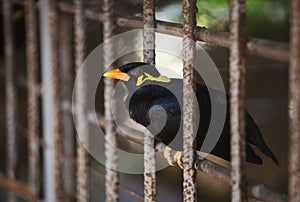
(82, 125)
(149, 57)
(294, 104)
(11, 103)
(149, 32)
(56, 97)
(189, 128)
(111, 175)
(149, 164)
(33, 103)
(237, 72)
(67, 67)
(47, 102)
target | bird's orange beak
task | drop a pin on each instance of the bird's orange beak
(116, 74)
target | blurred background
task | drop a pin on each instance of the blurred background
(266, 95)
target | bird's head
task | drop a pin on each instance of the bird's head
(136, 72)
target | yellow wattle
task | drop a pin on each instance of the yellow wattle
(161, 78)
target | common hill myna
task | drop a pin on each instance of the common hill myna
(149, 92)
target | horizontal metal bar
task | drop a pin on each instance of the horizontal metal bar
(23, 188)
(255, 189)
(260, 47)
(20, 188)
(120, 186)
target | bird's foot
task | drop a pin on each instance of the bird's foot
(178, 159)
(169, 156)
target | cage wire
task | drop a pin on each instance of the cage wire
(54, 109)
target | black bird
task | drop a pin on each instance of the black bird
(149, 91)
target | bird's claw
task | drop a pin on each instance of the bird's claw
(178, 159)
(168, 156)
(173, 158)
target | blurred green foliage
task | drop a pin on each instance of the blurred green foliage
(265, 18)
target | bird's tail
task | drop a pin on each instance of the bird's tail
(258, 139)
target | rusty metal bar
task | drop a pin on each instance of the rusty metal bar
(261, 47)
(19, 188)
(67, 68)
(111, 164)
(149, 168)
(33, 96)
(149, 32)
(56, 87)
(11, 91)
(149, 57)
(47, 102)
(255, 189)
(82, 124)
(237, 74)
(120, 186)
(294, 104)
(189, 104)
(23, 189)
(88, 13)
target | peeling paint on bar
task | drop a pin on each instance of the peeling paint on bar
(111, 177)
(149, 57)
(294, 104)
(57, 111)
(189, 104)
(237, 73)
(10, 96)
(33, 96)
(82, 174)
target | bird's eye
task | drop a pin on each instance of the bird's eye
(136, 72)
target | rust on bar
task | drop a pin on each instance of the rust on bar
(67, 68)
(261, 47)
(189, 103)
(255, 189)
(33, 98)
(294, 104)
(149, 168)
(82, 124)
(149, 57)
(10, 94)
(56, 86)
(17, 187)
(149, 31)
(111, 164)
(88, 13)
(120, 186)
(237, 73)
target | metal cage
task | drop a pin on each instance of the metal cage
(50, 112)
